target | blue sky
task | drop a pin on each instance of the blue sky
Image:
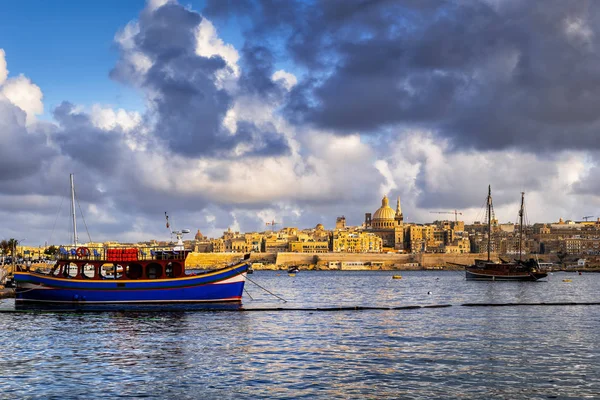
(67, 48)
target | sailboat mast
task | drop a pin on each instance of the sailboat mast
(521, 224)
(489, 213)
(73, 211)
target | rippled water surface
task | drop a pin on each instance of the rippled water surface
(453, 352)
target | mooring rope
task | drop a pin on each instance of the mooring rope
(248, 293)
(266, 290)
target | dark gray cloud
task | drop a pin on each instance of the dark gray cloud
(90, 148)
(187, 105)
(487, 74)
(23, 151)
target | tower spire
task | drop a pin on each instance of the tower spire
(399, 217)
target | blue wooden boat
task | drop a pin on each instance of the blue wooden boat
(106, 275)
(152, 280)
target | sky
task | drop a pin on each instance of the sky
(234, 113)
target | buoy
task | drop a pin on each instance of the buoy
(428, 292)
(567, 280)
(397, 277)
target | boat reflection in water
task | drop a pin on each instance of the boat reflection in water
(143, 308)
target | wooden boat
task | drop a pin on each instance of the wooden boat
(518, 270)
(293, 269)
(139, 275)
(483, 270)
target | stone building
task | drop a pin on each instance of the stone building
(356, 242)
(275, 244)
(309, 246)
(387, 224)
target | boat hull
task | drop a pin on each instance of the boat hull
(225, 285)
(486, 275)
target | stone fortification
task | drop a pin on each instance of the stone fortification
(448, 261)
(218, 260)
(283, 260)
(322, 260)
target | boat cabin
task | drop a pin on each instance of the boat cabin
(123, 263)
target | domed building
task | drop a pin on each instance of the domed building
(385, 216)
(387, 223)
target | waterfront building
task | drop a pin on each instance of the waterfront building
(238, 245)
(218, 245)
(203, 246)
(459, 246)
(254, 241)
(275, 244)
(309, 246)
(320, 234)
(576, 246)
(340, 222)
(387, 224)
(356, 242)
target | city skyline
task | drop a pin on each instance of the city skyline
(234, 114)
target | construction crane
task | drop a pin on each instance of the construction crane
(455, 212)
(587, 217)
(272, 224)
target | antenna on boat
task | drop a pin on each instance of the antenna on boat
(178, 234)
(521, 224)
(73, 211)
(489, 215)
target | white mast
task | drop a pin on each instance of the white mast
(73, 209)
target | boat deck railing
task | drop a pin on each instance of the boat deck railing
(119, 254)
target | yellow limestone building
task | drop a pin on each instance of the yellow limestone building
(388, 224)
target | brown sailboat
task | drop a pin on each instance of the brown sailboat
(517, 270)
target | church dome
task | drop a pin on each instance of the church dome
(319, 227)
(385, 212)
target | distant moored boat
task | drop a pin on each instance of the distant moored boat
(519, 270)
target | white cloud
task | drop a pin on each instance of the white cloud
(577, 28)
(209, 44)
(25, 95)
(138, 63)
(107, 118)
(288, 80)
(389, 184)
(431, 175)
(235, 226)
(156, 4)
(3, 68)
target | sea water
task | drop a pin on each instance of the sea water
(315, 345)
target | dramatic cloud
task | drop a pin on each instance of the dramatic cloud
(189, 74)
(488, 75)
(317, 110)
(25, 95)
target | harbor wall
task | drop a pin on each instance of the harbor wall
(218, 260)
(448, 261)
(283, 260)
